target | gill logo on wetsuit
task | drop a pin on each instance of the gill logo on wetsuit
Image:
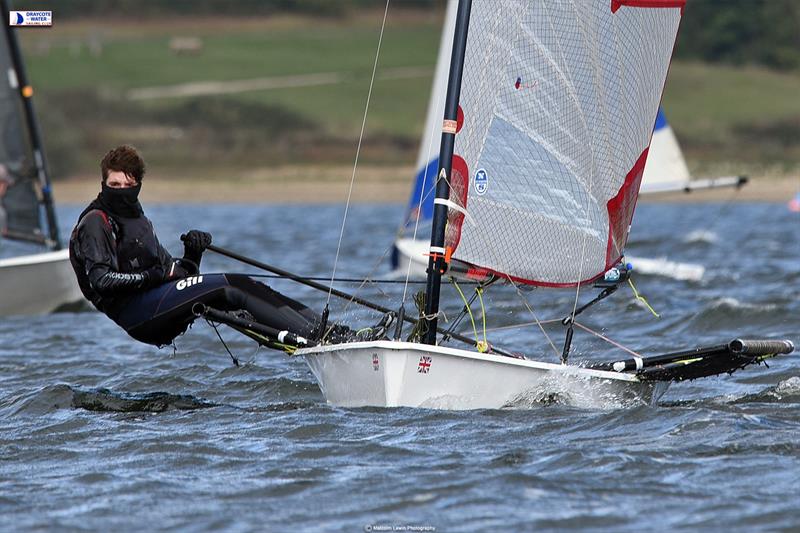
(188, 282)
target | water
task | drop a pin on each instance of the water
(99, 432)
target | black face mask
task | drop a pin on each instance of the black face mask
(121, 202)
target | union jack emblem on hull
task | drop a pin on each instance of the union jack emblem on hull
(375, 362)
(424, 364)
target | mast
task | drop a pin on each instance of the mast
(26, 92)
(436, 260)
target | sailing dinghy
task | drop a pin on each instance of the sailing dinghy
(549, 110)
(41, 279)
(666, 171)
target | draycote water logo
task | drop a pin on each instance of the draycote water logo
(30, 18)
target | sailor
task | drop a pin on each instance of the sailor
(126, 273)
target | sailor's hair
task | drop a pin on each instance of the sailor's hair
(125, 159)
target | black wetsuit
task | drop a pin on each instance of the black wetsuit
(125, 272)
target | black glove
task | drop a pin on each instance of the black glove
(154, 276)
(194, 244)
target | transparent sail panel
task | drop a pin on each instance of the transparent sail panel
(559, 100)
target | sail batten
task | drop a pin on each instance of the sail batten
(559, 100)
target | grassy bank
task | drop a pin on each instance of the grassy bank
(87, 74)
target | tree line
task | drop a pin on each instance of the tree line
(738, 32)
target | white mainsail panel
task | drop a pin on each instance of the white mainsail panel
(559, 100)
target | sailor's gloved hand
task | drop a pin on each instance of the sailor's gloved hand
(154, 276)
(195, 242)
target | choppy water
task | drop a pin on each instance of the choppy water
(99, 432)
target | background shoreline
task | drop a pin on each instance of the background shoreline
(372, 185)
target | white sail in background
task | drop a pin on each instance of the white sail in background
(666, 168)
(559, 100)
(420, 204)
(17, 168)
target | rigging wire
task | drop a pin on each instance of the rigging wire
(423, 197)
(233, 357)
(358, 151)
(536, 318)
(558, 321)
(350, 280)
(612, 342)
(368, 279)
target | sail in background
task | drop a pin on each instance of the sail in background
(666, 168)
(794, 203)
(21, 201)
(559, 100)
(422, 195)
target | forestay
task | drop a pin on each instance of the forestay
(559, 99)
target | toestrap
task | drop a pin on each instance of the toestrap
(283, 340)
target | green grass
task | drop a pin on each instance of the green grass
(727, 119)
(131, 62)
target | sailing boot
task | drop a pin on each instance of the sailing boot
(378, 331)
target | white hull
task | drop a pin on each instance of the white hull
(37, 284)
(395, 374)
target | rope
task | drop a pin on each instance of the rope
(483, 346)
(642, 299)
(613, 343)
(358, 151)
(233, 357)
(469, 312)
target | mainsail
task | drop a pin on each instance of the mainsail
(22, 166)
(558, 99)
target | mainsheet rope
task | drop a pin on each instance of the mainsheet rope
(358, 152)
(578, 324)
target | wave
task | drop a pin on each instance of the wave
(661, 266)
(786, 391)
(703, 236)
(737, 314)
(56, 397)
